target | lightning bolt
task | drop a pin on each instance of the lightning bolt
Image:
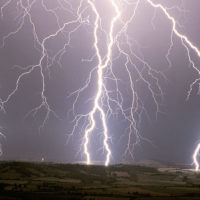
(41, 47)
(101, 66)
(4, 137)
(188, 45)
(195, 157)
(118, 45)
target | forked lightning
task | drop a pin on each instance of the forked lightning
(118, 45)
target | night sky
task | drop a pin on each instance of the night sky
(169, 135)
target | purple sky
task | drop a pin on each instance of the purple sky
(173, 134)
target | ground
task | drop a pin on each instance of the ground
(51, 181)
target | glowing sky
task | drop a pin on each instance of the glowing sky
(47, 53)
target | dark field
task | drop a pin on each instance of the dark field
(20, 181)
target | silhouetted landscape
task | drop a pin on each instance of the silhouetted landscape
(46, 181)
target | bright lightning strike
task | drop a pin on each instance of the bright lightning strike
(187, 44)
(117, 45)
(2, 136)
(195, 157)
(101, 66)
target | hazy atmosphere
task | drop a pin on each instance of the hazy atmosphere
(49, 81)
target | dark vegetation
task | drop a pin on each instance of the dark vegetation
(48, 181)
